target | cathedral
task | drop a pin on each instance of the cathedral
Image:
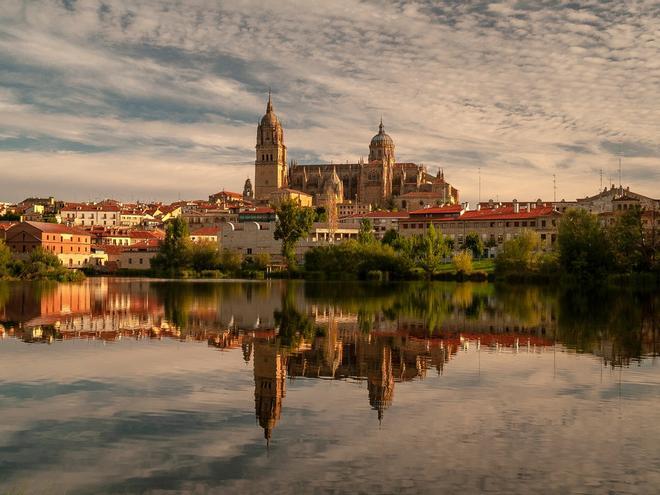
(378, 181)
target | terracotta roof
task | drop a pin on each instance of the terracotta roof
(56, 228)
(228, 193)
(6, 225)
(147, 234)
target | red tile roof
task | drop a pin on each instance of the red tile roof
(507, 213)
(55, 228)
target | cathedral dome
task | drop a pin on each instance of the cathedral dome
(381, 139)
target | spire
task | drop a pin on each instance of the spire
(381, 129)
(269, 107)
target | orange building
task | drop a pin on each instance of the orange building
(72, 246)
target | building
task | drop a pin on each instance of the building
(609, 200)
(71, 245)
(494, 225)
(382, 221)
(250, 238)
(91, 214)
(257, 215)
(376, 181)
(206, 234)
(286, 194)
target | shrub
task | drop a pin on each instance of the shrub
(463, 262)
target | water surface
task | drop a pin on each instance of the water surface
(118, 386)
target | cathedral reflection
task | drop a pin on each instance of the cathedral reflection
(378, 337)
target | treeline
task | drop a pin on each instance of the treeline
(39, 265)
(179, 257)
(395, 257)
(587, 252)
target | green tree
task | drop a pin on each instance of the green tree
(5, 259)
(174, 255)
(428, 251)
(204, 256)
(584, 248)
(366, 232)
(230, 261)
(519, 255)
(474, 243)
(391, 237)
(626, 237)
(293, 223)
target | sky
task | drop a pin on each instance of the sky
(159, 100)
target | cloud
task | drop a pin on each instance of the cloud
(494, 85)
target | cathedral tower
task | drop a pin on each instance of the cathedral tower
(376, 175)
(270, 163)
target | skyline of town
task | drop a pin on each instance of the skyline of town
(158, 102)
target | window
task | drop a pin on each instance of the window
(140, 260)
(524, 224)
(249, 250)
(130, 261)
(516, 224)
(542, 223)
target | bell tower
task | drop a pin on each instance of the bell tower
(270, 163)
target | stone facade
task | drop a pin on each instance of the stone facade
(376, 181)
(270, 164)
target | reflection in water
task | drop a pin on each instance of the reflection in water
(378, 334)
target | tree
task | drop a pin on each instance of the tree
(366, 232)
(204, 256)
(518, 255)
(391, 237)
(584, 248)
(429, 250)
(293, 223)
(174, 255)
(474, 243)
(5, 259)
(626, 237)
(230, 261)
(463, 261)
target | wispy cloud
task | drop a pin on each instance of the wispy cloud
(522, 90)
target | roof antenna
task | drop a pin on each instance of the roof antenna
(554, 187)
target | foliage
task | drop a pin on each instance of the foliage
(230, 261)
(366, 232)
(353, 260)
(518, 255)
(175, 252)
(204, 256)
(584, 248)
(630, 250)
(5, 260)
(474, 243)
(391, 237)
(293, 223)
(44, 265)
(427, 251)
(320, 214)
(10, 217)
(463, 261)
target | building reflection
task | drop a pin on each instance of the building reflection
(290, 332)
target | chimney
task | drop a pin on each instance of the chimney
(516, 206)
(478, 206)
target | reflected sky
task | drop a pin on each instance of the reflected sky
(129, 386)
